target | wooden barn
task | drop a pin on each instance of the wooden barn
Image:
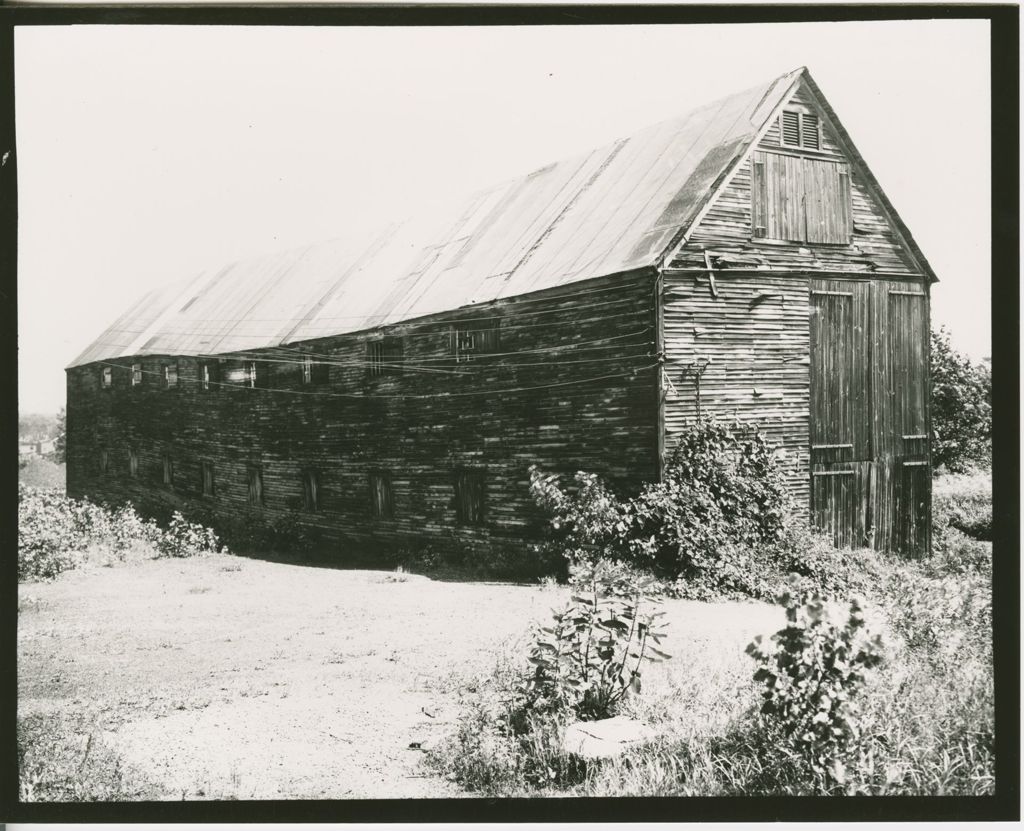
(397, 389)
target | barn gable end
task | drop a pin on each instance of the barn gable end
(807, 299)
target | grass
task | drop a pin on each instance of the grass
(62, 758)
(40, 472)
(928, 711)
(228, 678)
(221, 677)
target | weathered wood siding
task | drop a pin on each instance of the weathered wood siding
(727, 228)
(832, 363)
(756, 337)
(869, 437)
(573, 388)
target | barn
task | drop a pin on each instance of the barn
(395, 390)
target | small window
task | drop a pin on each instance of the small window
(472, 339)
(168, 469)
(384, 357)
(209, 375)
(382, 503)
(255, 483)
(470, 493)
(107, 377)
(799, 129)
(311, 490)
(133, 462)
(104, 460)
(170, 376)
(247, 374)
(313, 372)
(136, 375)
(208, 486)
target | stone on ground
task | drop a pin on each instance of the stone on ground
(605, 738)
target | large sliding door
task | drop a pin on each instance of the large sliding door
(840, 410)
(870, 479)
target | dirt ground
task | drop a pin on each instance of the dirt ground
(221, 677)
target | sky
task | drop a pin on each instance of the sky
(149, 153)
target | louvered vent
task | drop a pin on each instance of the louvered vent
(810, 131)
(791, 128)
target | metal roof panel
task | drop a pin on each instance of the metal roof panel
(613, 209)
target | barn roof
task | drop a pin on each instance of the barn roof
(614, 209)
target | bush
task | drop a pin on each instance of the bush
(591, 656)
(721, 499)
(57, 533)
(186, 539)
(961, 407)
(964, 502)
(811, 676)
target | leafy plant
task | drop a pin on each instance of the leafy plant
(811, 673)
(186, 539)
(961, 407)
(722, 498)
(591, 655)
(57, 533)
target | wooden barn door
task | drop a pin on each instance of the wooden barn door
(902, 491)
(870, 474)
(841, 411)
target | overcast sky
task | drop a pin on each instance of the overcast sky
(147, 154)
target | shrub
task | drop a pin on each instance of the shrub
(811, 555)
(963, 502)
(186, 539)
(940, 616)
(56, 533)
(961, 407)
(811, 676)
(722, 497)
(592, 654)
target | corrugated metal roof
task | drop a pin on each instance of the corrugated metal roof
(613, 209)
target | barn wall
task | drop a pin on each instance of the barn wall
(755, 334)
(834, 371)
(585, 355)
(824, 346)
(727, 226)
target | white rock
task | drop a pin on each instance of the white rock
(604, 738)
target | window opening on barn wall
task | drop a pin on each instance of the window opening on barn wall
(800, 129)
(209, 375)
(311, 490)
(471, 339)
(133, 462)
(170, 376)
(207, 467)
(107, 377)
(470, 496)
(251, 372)
(797, 199)
(168, 469)
(255, 484)
(384, 356)
(104, 460)
(136, 375)
(313, 372)
(382, 504)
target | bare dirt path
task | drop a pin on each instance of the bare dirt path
(221, 677)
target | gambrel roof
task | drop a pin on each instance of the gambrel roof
(615, 209)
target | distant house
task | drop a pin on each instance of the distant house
(398, 388)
